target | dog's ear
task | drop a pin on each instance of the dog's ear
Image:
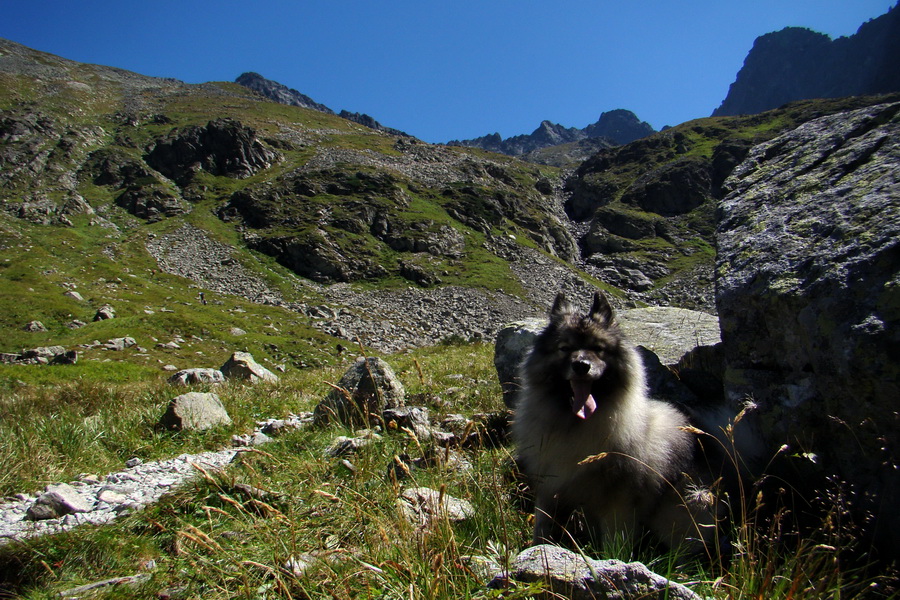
(561, 307)
(601, 310)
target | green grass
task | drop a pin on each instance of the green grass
(211, 539)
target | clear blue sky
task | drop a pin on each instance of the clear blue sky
(445, 69)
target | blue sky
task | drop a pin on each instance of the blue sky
(443, 70)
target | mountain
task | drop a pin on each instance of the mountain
(797, 63)
(614, 127)
(278, 92)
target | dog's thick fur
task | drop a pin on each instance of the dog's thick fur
(588, 437)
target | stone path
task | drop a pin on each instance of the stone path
(108, 497)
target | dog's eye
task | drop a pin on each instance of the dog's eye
(599, 349)
(566, 349)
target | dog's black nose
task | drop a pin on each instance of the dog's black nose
(581, 367)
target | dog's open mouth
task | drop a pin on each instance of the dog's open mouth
(583, 403)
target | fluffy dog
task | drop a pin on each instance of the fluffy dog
(589, 438)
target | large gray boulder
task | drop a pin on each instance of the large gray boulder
(808, 295)
(577, 577)
(195, 411)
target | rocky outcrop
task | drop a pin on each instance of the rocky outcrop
(809, 297)
(796, 63)
(222, 147)
(619, 126)
(278, 92)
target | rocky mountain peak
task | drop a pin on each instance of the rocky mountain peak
(278, 92)
(618, 126)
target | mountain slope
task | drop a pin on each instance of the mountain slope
(139, 192)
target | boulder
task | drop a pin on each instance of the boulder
(361, 396)
(808, 294)
(56, 501)
(512, 343)
(34, 326)
(577, 577)
(119, 344)
(105, 312)
(195, 411)
(197, 376)
(242, 366)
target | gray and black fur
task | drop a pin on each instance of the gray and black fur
(589, 438)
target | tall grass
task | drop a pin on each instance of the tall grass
(287, 521)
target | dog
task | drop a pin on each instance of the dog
(590, 439)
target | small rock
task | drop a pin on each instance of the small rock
(197, 376)
(105, 312)
(423, 505)
(34, 326)
(58, 500)
(241, 365)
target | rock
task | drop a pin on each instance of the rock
(364, 392)
(669, 332)
(75, 324)
(222, 147)
(343, 445)
(119, 344)
(673, 189)
(34, 326)
(105, 312)
(237, 331)
(69, 357)
(242, 366)
(58, 500)
(43, 352)
(197, 376)
(195, 411)
(808, 295)
(513, 341)
(422, 506)
(414, 418)
(577, 577)
(74, 296)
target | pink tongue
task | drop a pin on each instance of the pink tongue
(583, 403)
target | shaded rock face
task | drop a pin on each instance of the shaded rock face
(222, 147)
(673, 189)
(809, 296)
(796, 63)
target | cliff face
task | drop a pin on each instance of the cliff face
(797, 64)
